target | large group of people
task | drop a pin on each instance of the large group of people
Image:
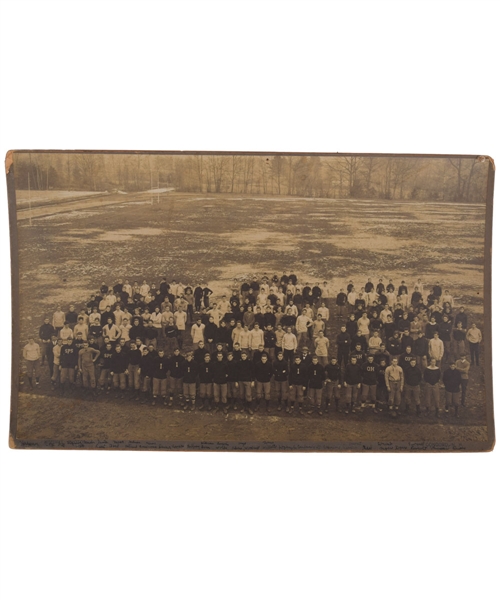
(271, 343)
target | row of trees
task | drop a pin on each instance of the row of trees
(400, 178)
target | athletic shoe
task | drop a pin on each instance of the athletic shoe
(250, 411)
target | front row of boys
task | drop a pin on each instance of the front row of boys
(222, 379)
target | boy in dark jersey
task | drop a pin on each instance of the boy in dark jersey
(358, 354)
(220, 376)
(151, 335)
(189, 371)
(160, 368)
(420, 349)
(297, 380)
(343, 346)
(369, 377)
(171, 334)
(232, 380)
(68, 364)
(432, 376)
(413, 378)
(333, 378)
(389, 328)
(175, 376)
(199, 353)
(137, 330)
(280, 372)
(351, 325)
(316, 380)
(406, 340)
(105, 378)
(352, 385)
(206, 383)
(452, 380)
(359, 339)
(146, 372)
(406, 358)
(246, 381)
(269, 341)
(382, 354)
(134, 359)
(394, 345)
(263, 372)
(119, 369)
(380, 287)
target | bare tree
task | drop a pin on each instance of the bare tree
(370, 166)
(234, 170)
(277, 166)
(404, 170)
(218, 166)
(351, 166)
(464, 168)
(247, 172)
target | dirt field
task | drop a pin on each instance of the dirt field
(65, 256)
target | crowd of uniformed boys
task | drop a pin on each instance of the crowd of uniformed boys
(273, 340)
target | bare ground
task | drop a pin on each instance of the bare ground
(65, 256)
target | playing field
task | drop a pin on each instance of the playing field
(190, 238)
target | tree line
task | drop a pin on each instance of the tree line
(370, 177)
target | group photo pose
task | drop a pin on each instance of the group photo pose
(273, 343)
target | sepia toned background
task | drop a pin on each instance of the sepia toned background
(87, 218)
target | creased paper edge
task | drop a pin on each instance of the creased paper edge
(9, 159)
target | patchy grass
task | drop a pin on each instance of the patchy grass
(215, 240)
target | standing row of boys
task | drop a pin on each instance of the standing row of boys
(390, 347)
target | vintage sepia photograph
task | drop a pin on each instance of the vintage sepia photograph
(251, 301)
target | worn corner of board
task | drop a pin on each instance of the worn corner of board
(487, 158)
(12, 442)
(9, 159)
